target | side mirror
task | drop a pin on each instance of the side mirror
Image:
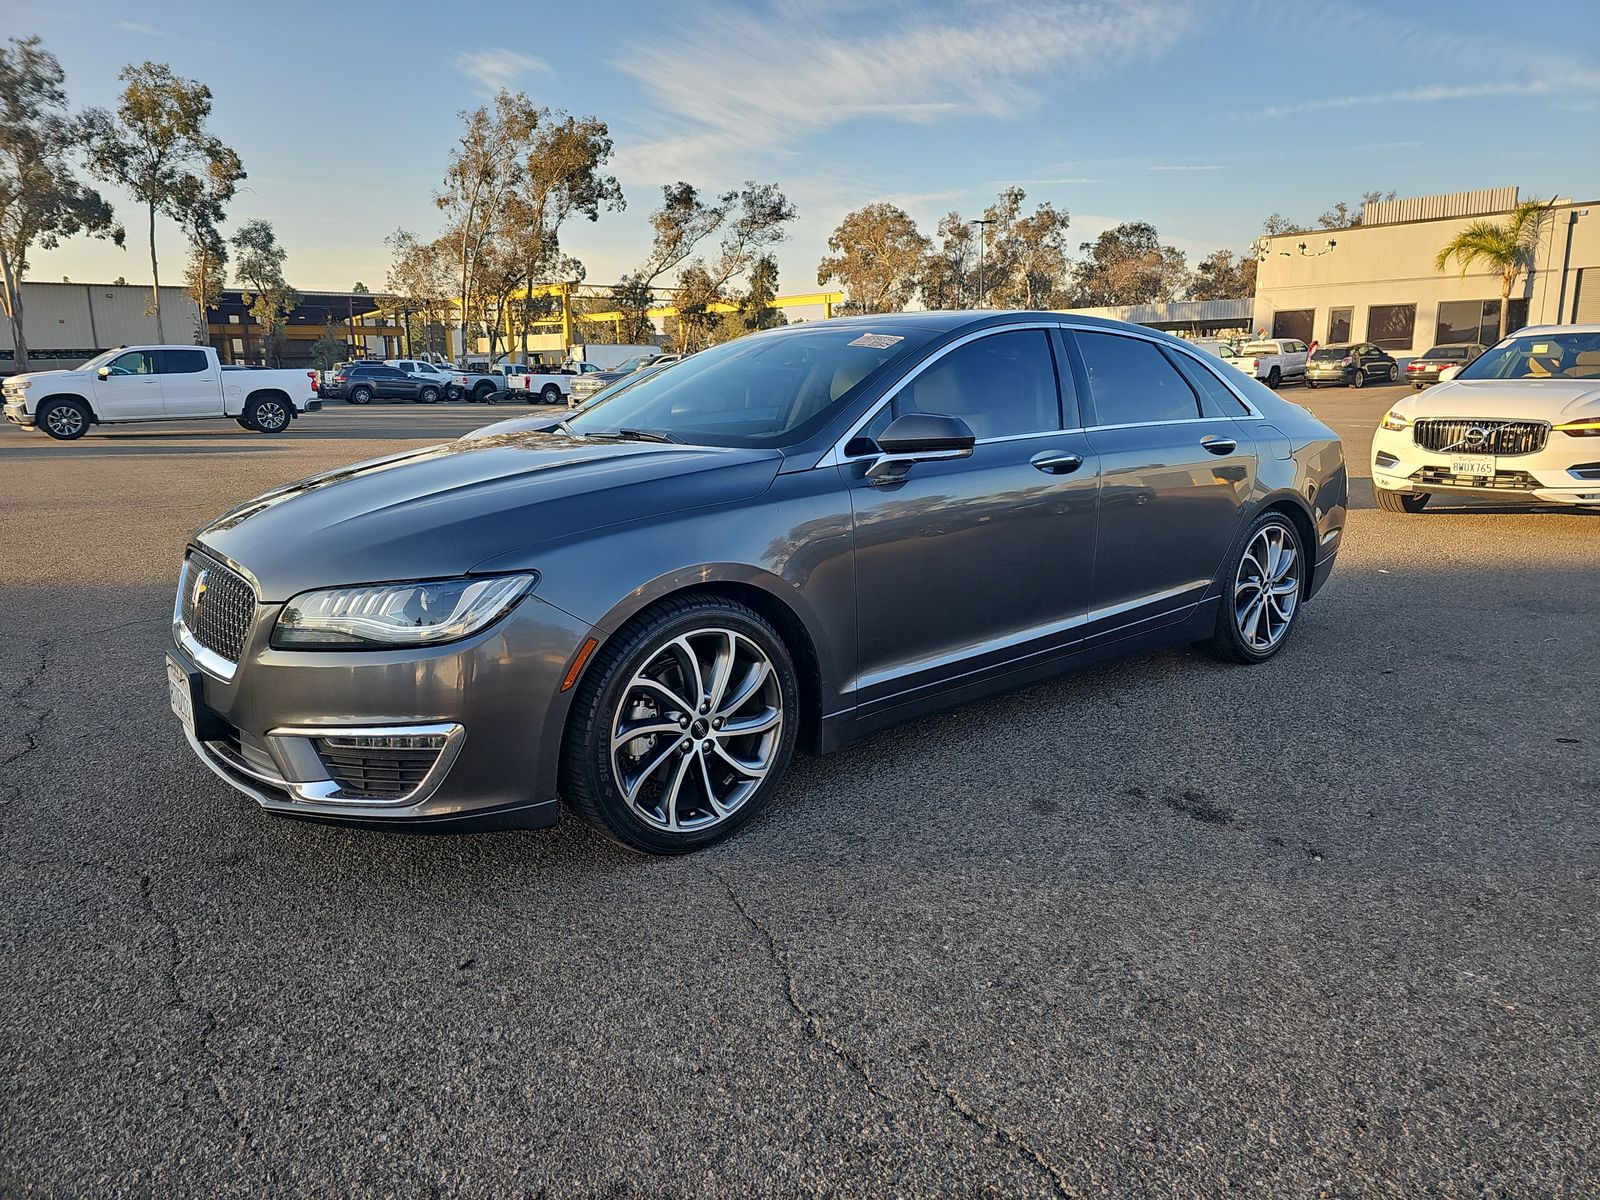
(1449, 373)
(104, 372)
(919, 437)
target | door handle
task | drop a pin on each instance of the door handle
(1219, 445)
(1057, 462)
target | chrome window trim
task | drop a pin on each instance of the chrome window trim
(836, 455)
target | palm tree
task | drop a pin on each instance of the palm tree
(1507, 245)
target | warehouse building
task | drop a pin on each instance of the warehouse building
(1377, 282)
(69, 323)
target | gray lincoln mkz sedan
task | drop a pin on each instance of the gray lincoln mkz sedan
(791, 539)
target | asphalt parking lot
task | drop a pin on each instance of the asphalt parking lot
(1327, 927)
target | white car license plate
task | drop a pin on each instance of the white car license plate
(179, 696)
(1479, 464)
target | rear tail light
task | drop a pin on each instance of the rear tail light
(1345, 362)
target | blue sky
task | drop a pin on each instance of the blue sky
(1199, 117)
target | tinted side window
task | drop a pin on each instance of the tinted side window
(1000, 385)
(181, 362)
(1132, 383)
(1215, 398)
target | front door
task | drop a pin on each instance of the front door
(968, 566)
(129, 389)
(1173, 488)
(190, 385)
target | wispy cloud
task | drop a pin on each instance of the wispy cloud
(141, 29)
(1184, 167)
(1431, 94)
(730, 80)
(496, 69)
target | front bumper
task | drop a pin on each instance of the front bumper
(1566, 471)
(17, 413)
(494, 700)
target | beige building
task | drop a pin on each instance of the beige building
(67, 323)
(1377, 282)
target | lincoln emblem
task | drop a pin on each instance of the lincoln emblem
(198, 591)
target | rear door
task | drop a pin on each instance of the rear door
(395, 383)
(190, 385)
(130, 389)
(1175, 479)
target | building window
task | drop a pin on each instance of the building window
(1339, 320)
(1293, 323)
(1462, 321)
(1391, 325)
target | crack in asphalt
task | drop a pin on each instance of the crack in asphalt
(208, 1019)
(995, 1134)
(16, 703)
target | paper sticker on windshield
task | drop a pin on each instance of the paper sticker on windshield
(877, 341)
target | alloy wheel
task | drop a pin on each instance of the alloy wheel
(270, 416)
(64, 420)
(697, 730)
(1266, 588)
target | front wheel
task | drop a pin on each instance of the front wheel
(682, 727)
(265, 414)
(428, 395)
(1400, 502)
(65, 420)
(1261, 594)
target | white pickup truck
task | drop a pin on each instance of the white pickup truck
(157, 383)
(1272, 360)
(533, 385)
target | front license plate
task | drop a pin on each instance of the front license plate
(1479, 464)
(179, 695)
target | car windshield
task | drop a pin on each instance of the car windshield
(767, 390)
(1331, 353)
(1539, 356)
(632, 364)
(100, 360)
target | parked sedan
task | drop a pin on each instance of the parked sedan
(788, 540)
(1521, 420)
(1357, 365)
(1420, 372)
(362, 383)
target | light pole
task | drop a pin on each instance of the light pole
(980, 223)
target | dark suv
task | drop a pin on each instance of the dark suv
(1357, 365)
(361, 383)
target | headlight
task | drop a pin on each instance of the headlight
(1589, 427)
(1393, 420)
(397, 614)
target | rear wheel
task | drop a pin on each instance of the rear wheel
(1360, 378)
(1274, 378)
(64, 420)
(682, 727)
(1261, 595)
(1400, 502)
(1312, 384)
(483, 391)
(1394, 372)
(551, 394)
(266, 414)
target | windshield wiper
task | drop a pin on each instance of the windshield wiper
(646, 435)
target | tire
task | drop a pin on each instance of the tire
(482, 392)
(550, 395)
(1400, 502)
(64, 420)
(267, 414)
(428, 395)
(1394, 372)
(360, 395)
(1274, 378)
(669, 812)
(1312, 384)
(1360, 379)
(1245, 631)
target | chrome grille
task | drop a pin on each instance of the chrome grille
(219, 615)
(1495, 437)
(1503, 481)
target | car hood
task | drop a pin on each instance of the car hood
(53, 376)
(442, 510)
(1533, 399)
